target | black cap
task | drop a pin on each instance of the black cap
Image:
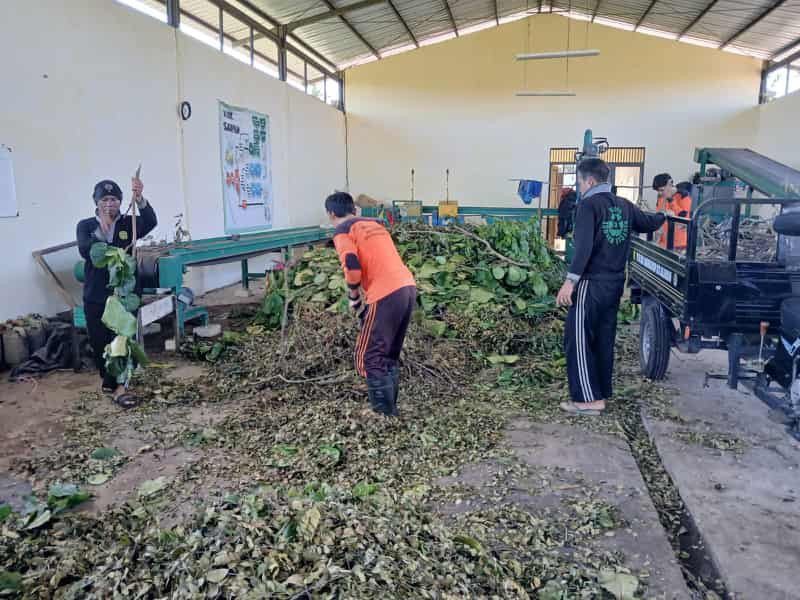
(661, 180)
(106, 188)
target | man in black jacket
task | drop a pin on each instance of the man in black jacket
(604, 224)
(109, 226)
(566, 212)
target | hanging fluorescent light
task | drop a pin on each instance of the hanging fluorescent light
(544, 93)
(559, 54)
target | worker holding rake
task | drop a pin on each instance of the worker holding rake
(108, 225)
(373, 267)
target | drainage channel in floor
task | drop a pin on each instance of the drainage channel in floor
(699, 571)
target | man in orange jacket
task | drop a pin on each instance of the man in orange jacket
(676, 202)
(371, 264)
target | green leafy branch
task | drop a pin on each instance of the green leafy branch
(123, 353)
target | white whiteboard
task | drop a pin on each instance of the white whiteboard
(8, 193)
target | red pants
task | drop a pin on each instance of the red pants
(383, 332)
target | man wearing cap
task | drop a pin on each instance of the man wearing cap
(109, 226)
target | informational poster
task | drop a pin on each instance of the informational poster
(8, 192)
(246, 175)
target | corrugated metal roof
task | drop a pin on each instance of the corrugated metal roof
(760, 27)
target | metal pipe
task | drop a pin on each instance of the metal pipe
(558, 54)
(543, 93)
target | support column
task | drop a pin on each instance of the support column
(341, 90)
(221, 31)
(282, 65)
(174, 13)
(245, 275)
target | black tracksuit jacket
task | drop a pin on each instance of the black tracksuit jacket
(604, 225)
(95, 284)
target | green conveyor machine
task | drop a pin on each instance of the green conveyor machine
(161, 268)
(167, 270)
(757, 172)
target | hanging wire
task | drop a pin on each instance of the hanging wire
(569, 32)
(586, 35)
(527, 48)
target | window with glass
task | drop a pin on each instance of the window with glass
(780, 81)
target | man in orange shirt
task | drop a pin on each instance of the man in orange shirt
(681, 206)
(665, 187)
(676, 202)
(371, 264)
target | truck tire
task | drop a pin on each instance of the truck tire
(655, 340)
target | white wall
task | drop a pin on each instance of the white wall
(777, 128)
(95, 91)
(452, 105)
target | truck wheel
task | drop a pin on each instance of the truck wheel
(655, 341)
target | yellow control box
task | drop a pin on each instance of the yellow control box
(448, 208)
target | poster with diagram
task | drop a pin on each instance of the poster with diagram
(246, 176)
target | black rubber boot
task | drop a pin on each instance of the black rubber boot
(394, 372)
(109, 383)
(381, 394)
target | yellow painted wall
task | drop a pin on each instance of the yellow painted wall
(452, 105)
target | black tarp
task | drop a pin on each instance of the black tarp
(57, 353)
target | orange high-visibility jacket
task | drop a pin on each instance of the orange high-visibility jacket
(369, 258)
(681, 207)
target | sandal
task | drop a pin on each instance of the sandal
(126, 400)
(577, 410)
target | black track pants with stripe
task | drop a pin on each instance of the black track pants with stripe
(589, 338)
(383, 332)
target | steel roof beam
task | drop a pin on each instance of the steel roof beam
(295, 40)
(697, 19)
(403, 23)
(353, 30)
(786, 48)
(335, 12)
(596, 9)
(644, 16)
(775, 6)
(450, 14)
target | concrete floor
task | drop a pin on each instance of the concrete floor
(603, 463)
(566, 464)
(746, 504)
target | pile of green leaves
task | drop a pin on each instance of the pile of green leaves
(323, 500)
(123, 353)
(297, 543)
(348, 505)
(468, 279)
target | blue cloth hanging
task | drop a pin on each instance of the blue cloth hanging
(529, 189)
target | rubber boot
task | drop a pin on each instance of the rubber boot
(381, 394)
(394, 372)
(109, 383)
